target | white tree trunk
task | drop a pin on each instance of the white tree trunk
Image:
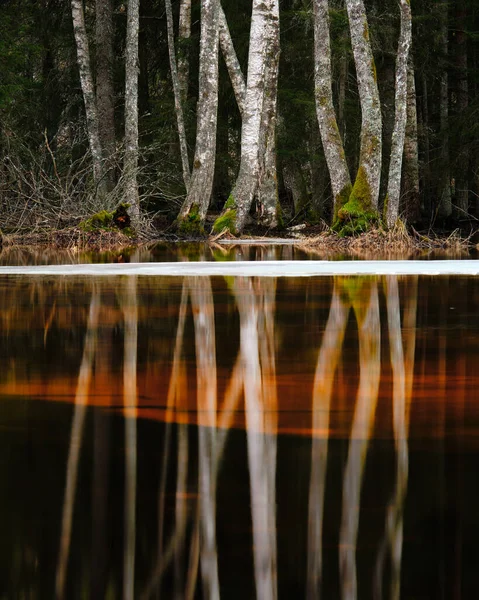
(232, 62)
(179, 79)
(131, 109)
(184, 35)
(411, 152)
(199, 193)
(263, 24)
(268, 201)
(328, 126)
(88, 91)
(366, 187)
(400, 119)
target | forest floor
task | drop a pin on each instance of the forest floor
(312, 239)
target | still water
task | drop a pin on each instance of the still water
(207, 437)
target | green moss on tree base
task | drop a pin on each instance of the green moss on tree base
(226, 222)
(109, 221)
(191, 225)
(357, 215)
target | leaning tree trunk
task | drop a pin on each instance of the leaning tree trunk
(328, 126)
(131, 109)
(361, 208)
(391, 205)
(239, 203)
(88, 91)
(268, 200)
(231, 61)
(195, 206)
(179, 78)
(105, 93)
(411, 197)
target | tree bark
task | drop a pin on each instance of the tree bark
(363, 203)
(328, 126)
(131, 110)
(263, 27)
(411, 197)
(184, 35)
(391, 207)
(232, 62)
(195, 206)
(462, 184)
(444, 190)
(267, 198)
(179, 79)
(105, 93)
(88, 91)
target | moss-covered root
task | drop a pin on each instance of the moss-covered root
(192, 224)
(226, 222)
(357, 215)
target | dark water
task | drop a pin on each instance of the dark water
(292, 438)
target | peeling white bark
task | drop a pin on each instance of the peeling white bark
(201, 184)
(88, 90)
(264, 29)
(411, 152)
(400, 119)
(371, 120)
(184, 35)
(179, 79)
(328, 126)
(131, 109)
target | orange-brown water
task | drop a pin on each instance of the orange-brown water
(283, 438)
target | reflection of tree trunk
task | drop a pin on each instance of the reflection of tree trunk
(203, 312)
(261, 448)
(323, 384)
(370, 365)
(130, 399)
(81, 399)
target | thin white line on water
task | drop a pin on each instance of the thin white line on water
(311, 268)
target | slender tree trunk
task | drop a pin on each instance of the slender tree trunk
(444, 189)
(184, 35)
(462, 183)
(363, 203)
(328, 127)
(268, 201)
(131, 110)
(195, 206)
(88, 90)
(105, 93)
(412, 202)
(232, 62)
(391, 207)
(179, 79)
(262, 32)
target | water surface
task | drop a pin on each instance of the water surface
(239, 437)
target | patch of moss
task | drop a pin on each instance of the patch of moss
(357, 215)
(192, 224)
(230, 203)
(341, 199)
(100, 220)
(226, 221)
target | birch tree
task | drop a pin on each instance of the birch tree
(361, 208)
(179, 78)
(263, 33)
(195, 206)
(131, 109)
(391, 205)
(411, 152)
(328, 126)
(184, 35)
(88, 91)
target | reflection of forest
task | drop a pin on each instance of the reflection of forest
(351, 359)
